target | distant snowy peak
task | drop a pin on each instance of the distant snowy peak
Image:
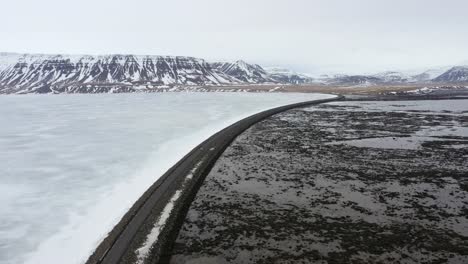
(455, 74)
(287, 76)
(278, 70)
(240, 70)
(392, 77)
(430, 74)
(354, 80)
(458, 74)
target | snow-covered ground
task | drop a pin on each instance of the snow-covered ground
(73, 164)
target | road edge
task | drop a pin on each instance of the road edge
(114, 248)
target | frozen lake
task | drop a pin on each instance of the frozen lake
(73, 164)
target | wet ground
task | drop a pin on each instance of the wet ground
(345, 182)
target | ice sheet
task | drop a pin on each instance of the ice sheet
(73, 164)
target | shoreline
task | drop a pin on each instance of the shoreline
(121, 243)
(388, 89)
(134, 225)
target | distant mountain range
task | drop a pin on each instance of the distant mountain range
(36, 73)
(448, 75)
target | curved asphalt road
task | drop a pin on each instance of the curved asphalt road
(137, 222)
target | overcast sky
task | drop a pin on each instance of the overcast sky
(306, 35)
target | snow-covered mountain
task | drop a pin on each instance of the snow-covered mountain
(287, 76)
(458, 74)
(244, 72)
(392, 77)
(430, 74)
(454, 75)
(354, 80)
(35, 73)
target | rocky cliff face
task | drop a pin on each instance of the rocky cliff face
(244, 72)
(27, 73)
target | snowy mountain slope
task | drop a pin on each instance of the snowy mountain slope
(458, 74)
(287, 76)
(36, 73)
(392, 77)
(39, 73)
(45, 73)
(240, 70)
(359, 80)
(453, 75)
(429, 74)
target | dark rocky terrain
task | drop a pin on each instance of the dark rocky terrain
(351, 182)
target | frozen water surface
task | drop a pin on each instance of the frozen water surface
(73, 164)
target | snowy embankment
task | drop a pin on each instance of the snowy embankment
(74, 164)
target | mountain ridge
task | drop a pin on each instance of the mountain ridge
(62, 73)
